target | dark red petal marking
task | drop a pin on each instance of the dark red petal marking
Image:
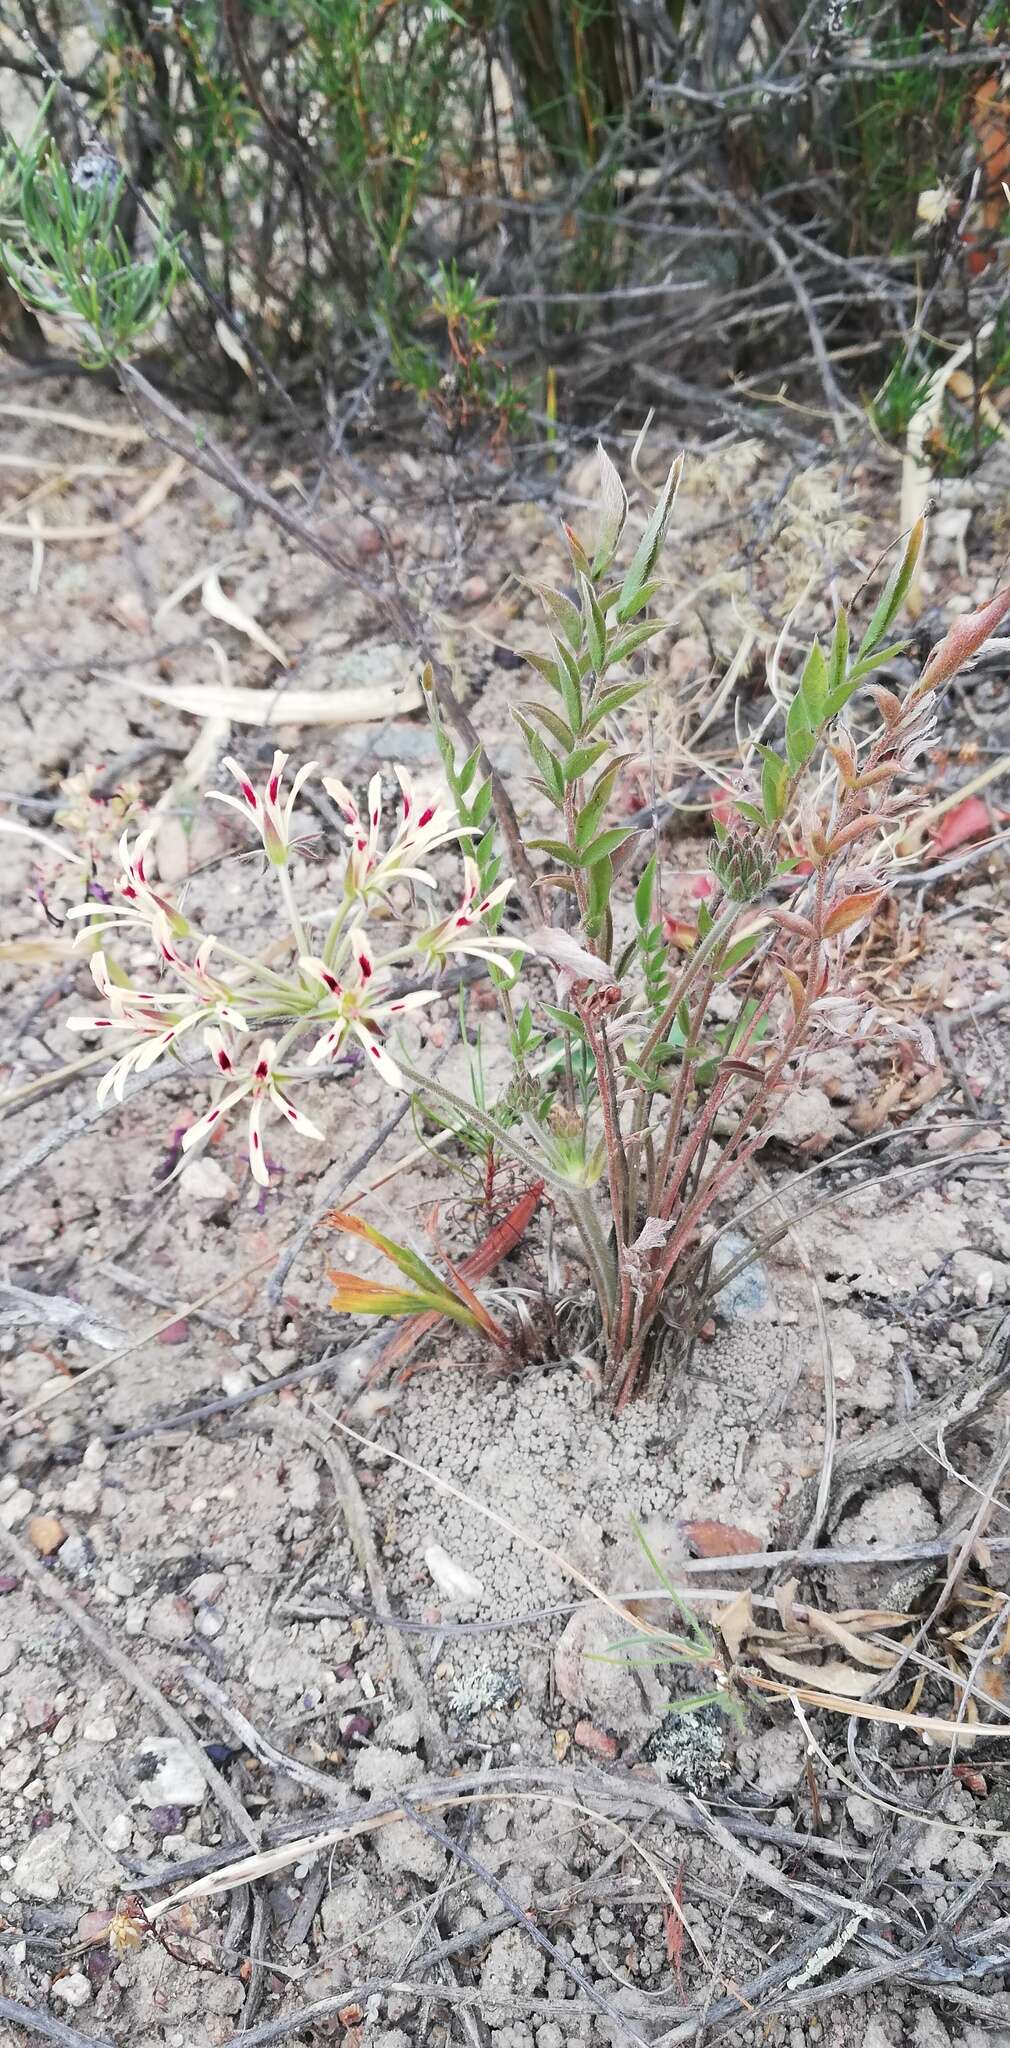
(365, 965)
(426, 816)
(249, 793)
(256, 1141)
(273, 786)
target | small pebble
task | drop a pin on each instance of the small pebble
(166, 1775)
(95, 1456)
(47, 1533)
(72, 1991)
(82, 1495)
(119, 1833)
(596, 1740)
(101, 1730)
(17, 1505)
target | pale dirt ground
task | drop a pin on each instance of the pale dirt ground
(191, 1549)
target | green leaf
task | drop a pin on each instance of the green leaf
(568, 1020)
(603, 787)
(546, 668)
(596, 631)
(590, 818)
(613, 513)
(801, 739)
(558, 850)
(564, 613)
(582, 759)
(407, 1262)
(814, 686)
(542, 758)
(645, 596)
(740, 950)
(600, 883)
(612, 700)
(480, 805)
(839, 651)
(644, 559)
(750, 812)
(580, 559)
(643, 894)
(636, 638)
(607, 843)
(570, 685)
(840, 697)
(704, 920)
(894, 592)
(554, 723)
(774, 784)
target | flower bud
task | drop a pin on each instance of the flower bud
(743, 866)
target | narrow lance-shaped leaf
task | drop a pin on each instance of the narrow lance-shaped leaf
(596, 631)
(613, 513)
(643, 894)
(644, 560)
(839, 656)
(894, 592)
(564, 614)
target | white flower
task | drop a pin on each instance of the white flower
(260, 1082)
(463, 933)
(139, 901)
(359, 1008)
(422, 829)
(271, 818)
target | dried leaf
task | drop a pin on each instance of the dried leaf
(232, 347)
(719, 1539)
(834, 1676)
(220, 606)
(653, 1234)
(852, 910)
(875, 1655)
(736, 1622)
(958, 827)
(785, 1601)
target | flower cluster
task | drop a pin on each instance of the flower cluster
(266, 1026)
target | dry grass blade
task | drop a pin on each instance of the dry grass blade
(266, 707)
(78, 423)
(104, 529)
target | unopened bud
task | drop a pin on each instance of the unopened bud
(743, 866)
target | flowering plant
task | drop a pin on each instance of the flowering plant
(664, 1075)
(642, 1088)
(268, 1025)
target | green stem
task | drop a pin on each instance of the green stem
(297, 927)
(582, 1210)
(503, 1138)
(710, 944)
